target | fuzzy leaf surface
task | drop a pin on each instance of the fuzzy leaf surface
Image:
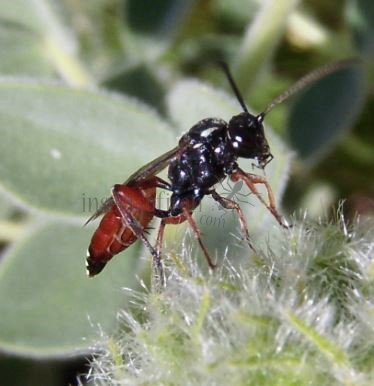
(62, 148)
(48, 306)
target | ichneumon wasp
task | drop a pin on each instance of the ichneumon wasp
(204, 157)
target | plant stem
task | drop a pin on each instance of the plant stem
(260, 40)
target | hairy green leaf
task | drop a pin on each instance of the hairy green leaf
(48, 306)
(22, 51)
(63, 149)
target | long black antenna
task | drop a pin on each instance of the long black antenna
(233, 85)
(310, 78)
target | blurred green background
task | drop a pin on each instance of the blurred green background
(91, 90)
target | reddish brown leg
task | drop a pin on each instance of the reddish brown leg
(159, 275)
(186, 215)
(160, 236)
(128, 219)
(157, 262)
(230, 204)
(197, 233)
(139, 202)
(251, 180)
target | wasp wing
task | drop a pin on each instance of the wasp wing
(154, 167)
(102, 209)
(150, 169)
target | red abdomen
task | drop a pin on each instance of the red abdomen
(112, 235)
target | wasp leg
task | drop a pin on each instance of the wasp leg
(160, 238)
(166, 218)
(157, 266)
(197, 233)
(128, 219)
(153, 182)
(251, 180)
(230, 204)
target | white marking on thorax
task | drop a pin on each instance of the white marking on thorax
(205, 133)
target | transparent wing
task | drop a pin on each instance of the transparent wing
(150, 169)
(154, 167)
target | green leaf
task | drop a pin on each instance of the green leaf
(190, 102)
(325, 112)
(21, 40)
(61, 149)
(22, 12)
(24, 51)
(48, 306)
(52, 44)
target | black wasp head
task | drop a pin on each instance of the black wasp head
(246, 132)
(247, 137)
